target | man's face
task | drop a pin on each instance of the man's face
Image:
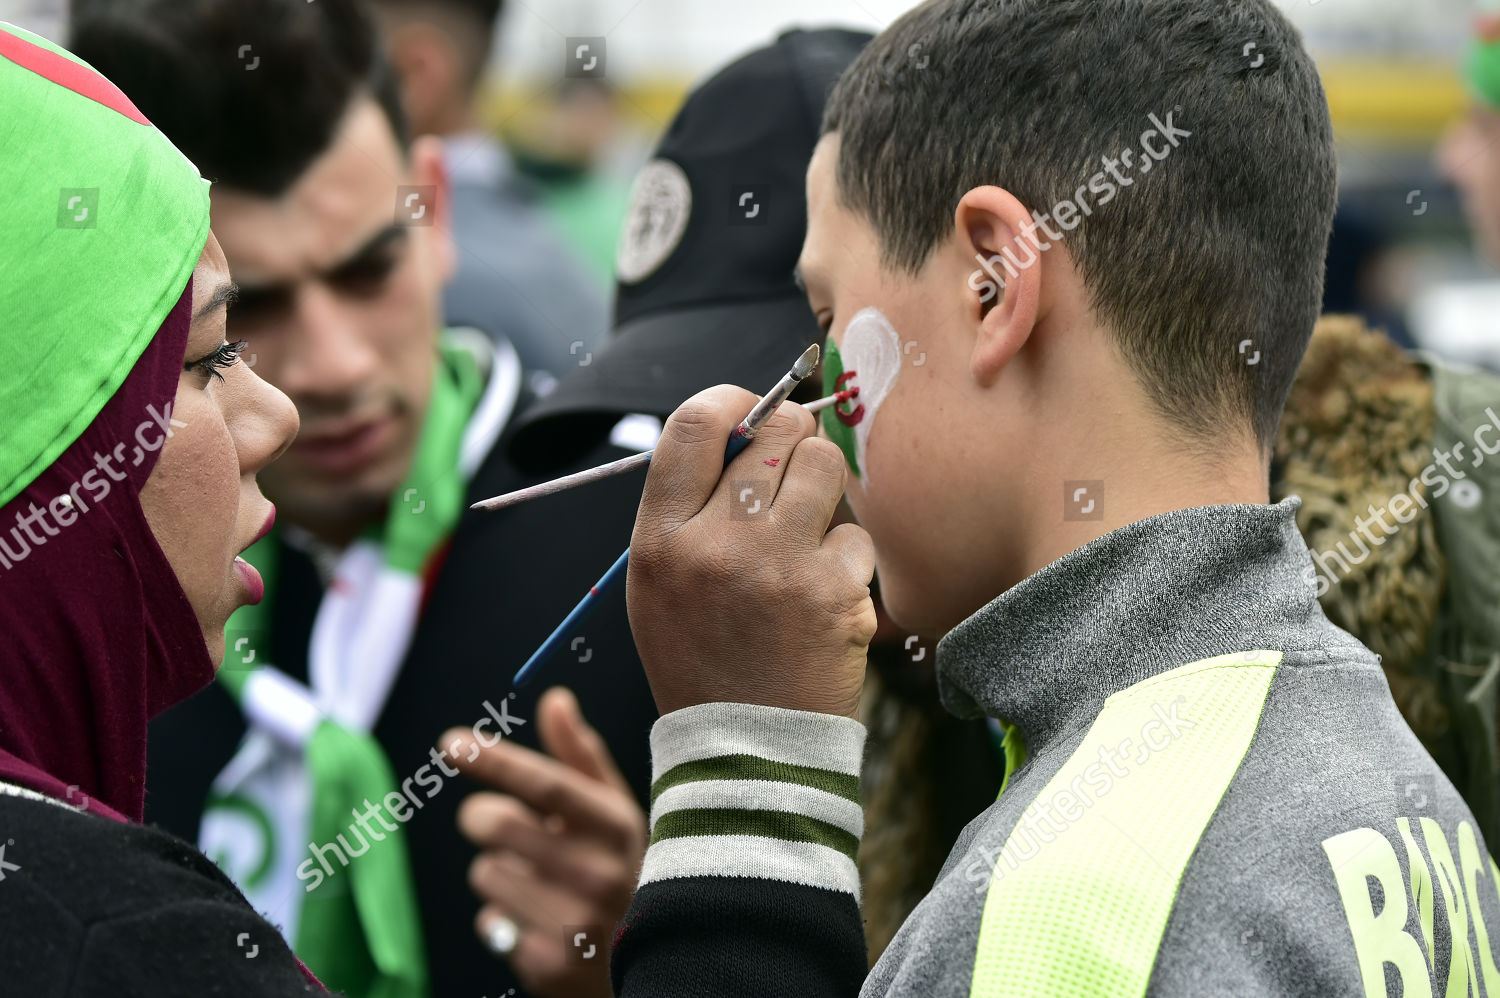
(340, 302)
(918, 477)
(1470, 158)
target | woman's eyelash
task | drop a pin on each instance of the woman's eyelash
(221, 358)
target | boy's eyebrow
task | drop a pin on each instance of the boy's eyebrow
(390, 234)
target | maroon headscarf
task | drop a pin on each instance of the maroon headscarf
(96, 634)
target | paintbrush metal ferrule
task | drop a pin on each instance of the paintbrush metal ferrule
(767, 406)
(807, 363)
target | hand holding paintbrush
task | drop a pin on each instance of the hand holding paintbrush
(739, 592)
(739, 439)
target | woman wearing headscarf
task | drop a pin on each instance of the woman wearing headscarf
(129, 444)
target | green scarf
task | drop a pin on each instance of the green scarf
(1009, 746)
(360, 930)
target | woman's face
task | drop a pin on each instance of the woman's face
(201, 500)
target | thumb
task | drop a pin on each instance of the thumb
(567, 737)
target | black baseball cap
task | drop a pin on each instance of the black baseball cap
(704, 287)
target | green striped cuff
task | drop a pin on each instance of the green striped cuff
(740, 790)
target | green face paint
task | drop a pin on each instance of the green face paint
(873, 351)
(839, 420)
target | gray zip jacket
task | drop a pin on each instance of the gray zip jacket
(1219, 798)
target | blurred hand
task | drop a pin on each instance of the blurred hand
(738, 591)
(562, 844)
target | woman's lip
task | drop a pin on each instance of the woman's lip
(255, 586)
(266, 527)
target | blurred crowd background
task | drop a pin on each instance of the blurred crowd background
(1402, 256)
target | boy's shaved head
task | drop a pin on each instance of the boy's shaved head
(1220, 242)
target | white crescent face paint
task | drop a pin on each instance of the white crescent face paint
(870, 359)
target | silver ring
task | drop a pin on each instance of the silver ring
(502, 936)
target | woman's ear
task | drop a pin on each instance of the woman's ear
(1005, 288)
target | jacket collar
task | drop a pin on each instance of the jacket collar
(1141, 600)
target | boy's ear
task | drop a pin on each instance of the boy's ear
(1006, 289)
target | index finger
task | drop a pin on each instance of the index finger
(548, 787)
(689, 458)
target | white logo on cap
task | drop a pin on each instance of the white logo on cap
(660, 204)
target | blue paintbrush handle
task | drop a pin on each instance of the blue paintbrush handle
(573, 620)
(737, 443)
(616, 573)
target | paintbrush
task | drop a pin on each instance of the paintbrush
(738, 441)
(619, 467)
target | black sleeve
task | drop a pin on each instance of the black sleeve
(750, 885)
(730, 937)
(200, 949)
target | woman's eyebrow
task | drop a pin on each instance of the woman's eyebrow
(223, 296)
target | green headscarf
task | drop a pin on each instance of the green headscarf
(105, 221)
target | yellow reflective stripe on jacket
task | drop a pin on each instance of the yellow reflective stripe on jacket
(1079, 908)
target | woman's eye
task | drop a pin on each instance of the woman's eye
(225, 356)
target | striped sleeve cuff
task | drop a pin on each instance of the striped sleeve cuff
(741, 790)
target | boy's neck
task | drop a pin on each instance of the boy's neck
(1139, 480)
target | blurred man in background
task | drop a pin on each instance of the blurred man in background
(515, 274)
(392, 612)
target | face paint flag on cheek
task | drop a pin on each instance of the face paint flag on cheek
(871, 362)
(839, 420)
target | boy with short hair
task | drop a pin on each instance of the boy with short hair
(1071, 254)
